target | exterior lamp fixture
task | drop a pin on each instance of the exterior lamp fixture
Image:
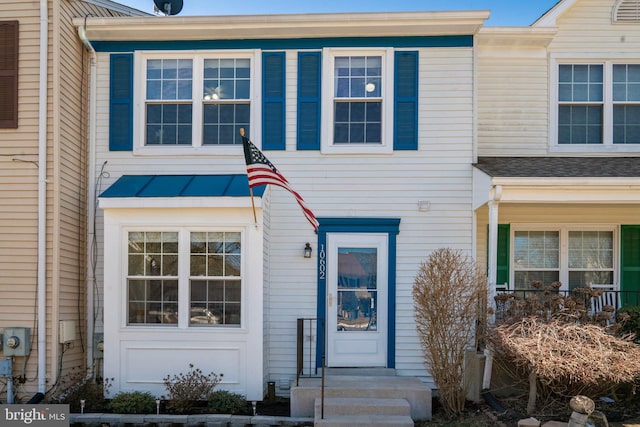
(307, 250)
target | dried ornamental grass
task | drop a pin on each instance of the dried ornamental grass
(569, 357)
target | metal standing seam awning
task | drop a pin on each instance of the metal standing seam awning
(180, 191)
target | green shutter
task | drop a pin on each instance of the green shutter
(121, 103)
(405, 129)
(309, 83)
(273, 101)
(502, 268)
(630, 260)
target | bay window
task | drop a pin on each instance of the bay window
(164, 265)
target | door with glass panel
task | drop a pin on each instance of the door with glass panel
(356, 300)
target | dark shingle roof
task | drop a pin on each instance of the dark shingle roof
(560, 167)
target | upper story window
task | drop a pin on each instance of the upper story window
(598, 104)
(195, 101)
(358, 102)
(169, 112)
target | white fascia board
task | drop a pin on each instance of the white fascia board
(516, 36)
(549, 19)
(481, 188)
(569, 190)
(220, 27)
(177, 202)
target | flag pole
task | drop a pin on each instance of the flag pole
(253, 204)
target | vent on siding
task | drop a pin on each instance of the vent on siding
(627, 11)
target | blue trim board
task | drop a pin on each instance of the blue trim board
(391, 226)
(276, 44)
(181, 186)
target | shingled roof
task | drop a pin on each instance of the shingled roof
(560, 167)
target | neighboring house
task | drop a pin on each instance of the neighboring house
(557, 178)
(404, 132)
(43, 184)
(370, 118)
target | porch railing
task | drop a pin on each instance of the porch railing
(593, 304)
(309, 348)
(310, 353)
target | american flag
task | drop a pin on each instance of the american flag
(261, 171)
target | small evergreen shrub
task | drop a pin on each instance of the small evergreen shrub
(186, 389)
(134, 402)
(90, 390)
(226, 402)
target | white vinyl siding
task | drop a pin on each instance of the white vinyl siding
(374, 186)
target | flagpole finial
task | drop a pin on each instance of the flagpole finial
(241, 131)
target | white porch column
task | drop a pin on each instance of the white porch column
(492, 272)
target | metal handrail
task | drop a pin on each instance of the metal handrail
(320, 347)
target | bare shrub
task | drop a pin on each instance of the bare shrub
(560, 346)
(185, 389)
(449, 296)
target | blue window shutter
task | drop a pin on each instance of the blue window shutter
(121, 103)
(405, 129)
(309, 83)
(273, 101)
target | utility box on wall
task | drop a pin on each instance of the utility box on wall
(16, 341)
(66, 331)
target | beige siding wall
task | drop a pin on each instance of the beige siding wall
(515, 83)
(587, 27)
(19, 192)
(66, 186)
(513, 101)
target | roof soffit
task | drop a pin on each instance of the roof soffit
(391, 24)
(516, 36)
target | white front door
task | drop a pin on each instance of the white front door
(357, 299)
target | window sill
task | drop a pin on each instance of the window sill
(188, 150)
(595, 148)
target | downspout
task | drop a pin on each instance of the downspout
(42, 198)
(82, 32)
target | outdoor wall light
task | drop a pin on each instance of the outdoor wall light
(307, 250)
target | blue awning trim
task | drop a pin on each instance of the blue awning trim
(181, 186)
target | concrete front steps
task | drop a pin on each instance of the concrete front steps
(359, 412)
(362, 397)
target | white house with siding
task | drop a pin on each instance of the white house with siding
(369, 116)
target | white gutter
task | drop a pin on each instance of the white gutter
(42, 198)
(91, 202)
